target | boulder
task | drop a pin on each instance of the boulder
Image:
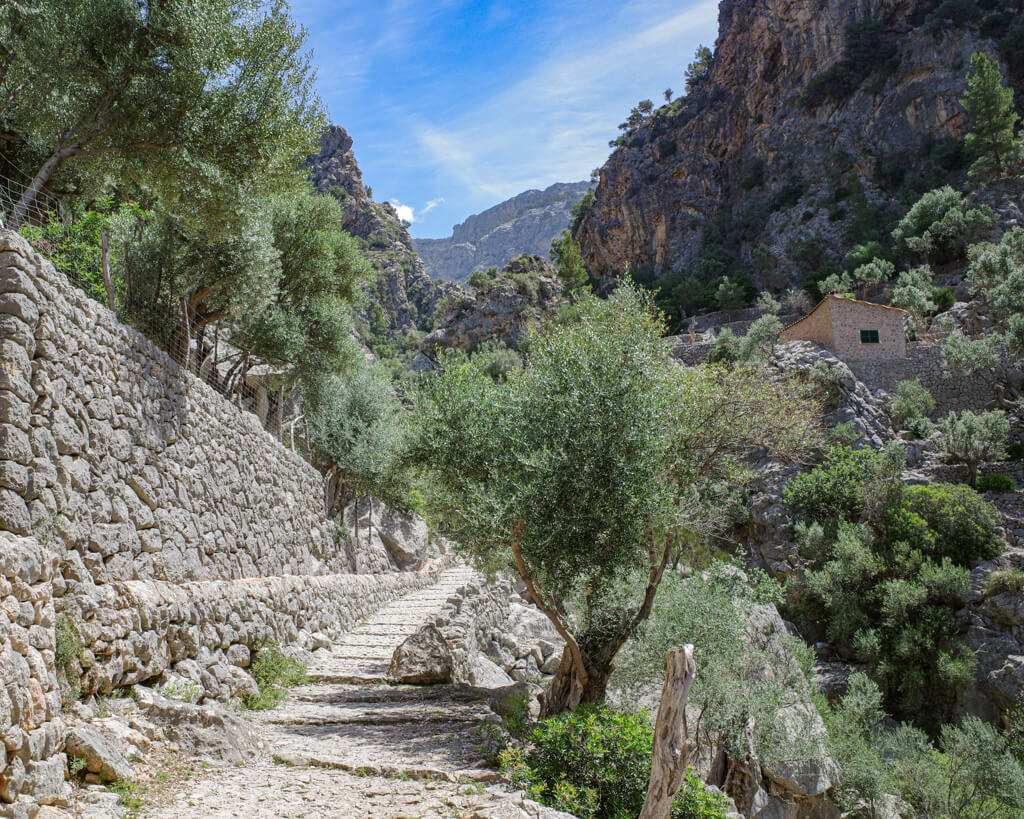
(423, 659)
(207, 731)
(101, 757)
(485, 673)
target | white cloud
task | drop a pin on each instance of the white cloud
(433, 203)
(554, 123)
(405, 212)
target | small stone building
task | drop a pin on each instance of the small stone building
(853, 329)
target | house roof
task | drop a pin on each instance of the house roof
(834, 297)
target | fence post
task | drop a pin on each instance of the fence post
(105, 250)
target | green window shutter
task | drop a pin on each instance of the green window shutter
(869, 336)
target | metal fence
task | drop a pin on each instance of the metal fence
(206, 352)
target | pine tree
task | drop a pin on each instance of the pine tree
(993, 119)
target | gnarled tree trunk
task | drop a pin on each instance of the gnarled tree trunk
(672, 746)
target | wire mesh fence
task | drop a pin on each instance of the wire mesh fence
(204, 351)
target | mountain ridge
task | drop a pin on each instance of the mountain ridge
(525, 224)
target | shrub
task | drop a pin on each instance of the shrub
(833, 489)
(828, 378)
(869, 48)
(966, 356)
(726, 349)
(890, 607)
(996, 482)
(960, 524)
(941, 224)
(274, 673)
(912, 402)
(972, 439)
(68, 650)
(1004, 581)
(596, 762)
(1015, 451)
(943, 299)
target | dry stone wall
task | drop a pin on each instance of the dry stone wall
(152, 521)
(140, 468)
(925, 362)
(32, 761)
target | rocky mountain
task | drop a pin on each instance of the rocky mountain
(817, 121)
(403, 299)
(526, 223)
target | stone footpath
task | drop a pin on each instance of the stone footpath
(348, 744)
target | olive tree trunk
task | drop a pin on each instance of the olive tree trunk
(672, 746)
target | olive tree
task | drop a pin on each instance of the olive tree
(972, 439)
(590, 465)
(201, 101)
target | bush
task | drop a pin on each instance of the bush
(1004, 581)
(996, 482)
(943, 299)
(891, 608)
(960, 524)
(972, 439)
(833, 489)
(941, 225)
(274, 673)
(68, 650)
(1015, 451)
(596, 762)
(869, 49)
(912, 402)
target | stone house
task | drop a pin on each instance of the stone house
(853, 329)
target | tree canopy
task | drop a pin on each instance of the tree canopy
(587, 467)
(202, 101)
(992, 120)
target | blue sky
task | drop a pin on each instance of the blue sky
(455, 105)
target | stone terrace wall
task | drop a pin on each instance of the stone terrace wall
(31, 732)
(142, 471)
(924, 362)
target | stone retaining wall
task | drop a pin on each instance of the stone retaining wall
(135, 630)
(951, 392)
(32, 761)
(140, 468)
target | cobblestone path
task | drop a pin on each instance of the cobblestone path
(350, 745)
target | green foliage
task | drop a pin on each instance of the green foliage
(68, 649)
(892, 608)
(236, 108)
(992, 119)
(873, 273)
(358, 425)
(1005, 581)
(565, 255)
(748, 676)
(731, 293)
(951, 520)
(912, 292)
(580, 210)
(996, 482)
(833, 489)
(699, 70)
(974, 438)
(887, 595)
(595, 763)
(997, 272)
(870, 49)
(941, 225)
(973, 774)
(274, 673)
(911, 405)
(943, 299)
(597, 438)
(129, 795)
(966, 356)
(75, 249)
(307, 324)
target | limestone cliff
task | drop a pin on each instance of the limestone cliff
(750, 155)
(404, 291)
(526, 223)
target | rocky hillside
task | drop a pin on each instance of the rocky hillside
(404, 298)
(817, 118)
(526, 223)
